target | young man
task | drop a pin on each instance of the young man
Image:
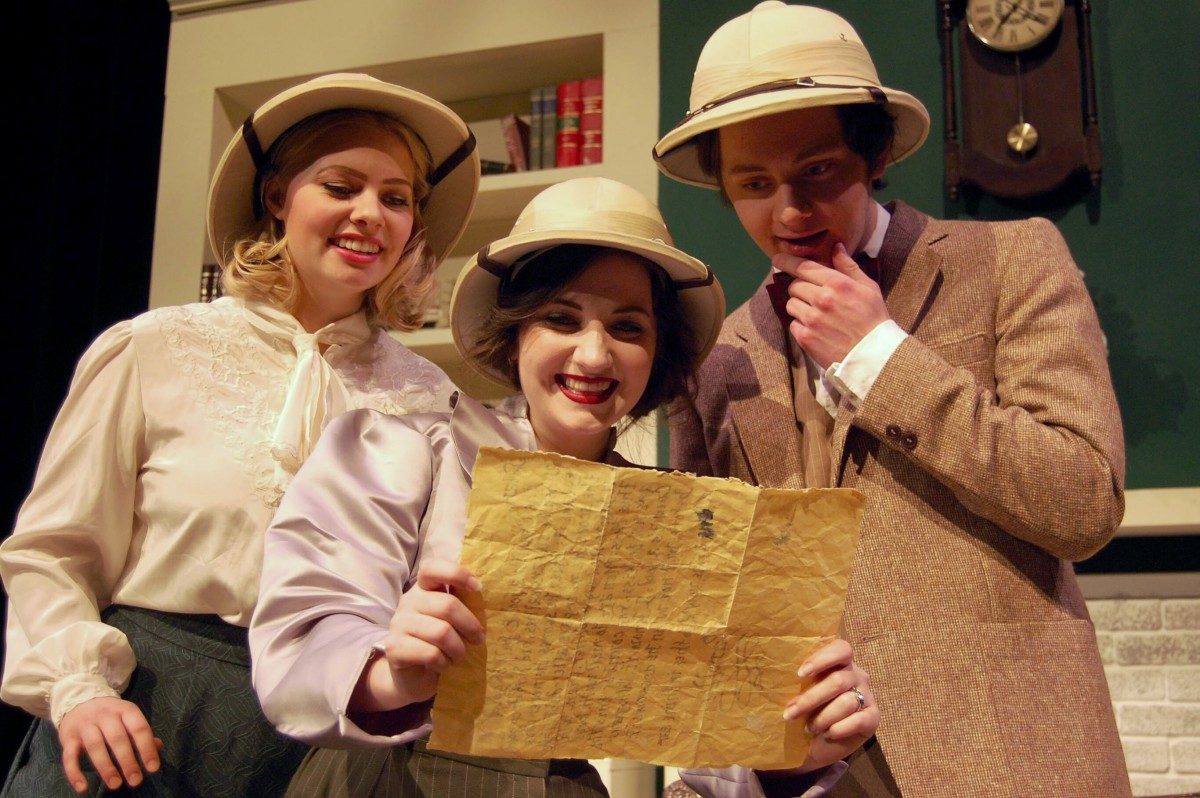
(958, 377)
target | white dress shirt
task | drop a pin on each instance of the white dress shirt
(179, 433)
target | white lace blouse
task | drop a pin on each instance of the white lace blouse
(178, 435)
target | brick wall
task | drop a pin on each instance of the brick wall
(1151, 652)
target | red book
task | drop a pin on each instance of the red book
(591, 119)
(568, 139)
(516, 139)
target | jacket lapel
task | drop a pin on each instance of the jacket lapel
(909, 272)
(763, 417)
(910, 266)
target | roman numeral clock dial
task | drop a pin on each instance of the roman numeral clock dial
(1013, 25)
(1025, 88)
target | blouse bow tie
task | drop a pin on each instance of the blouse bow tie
(315, 392)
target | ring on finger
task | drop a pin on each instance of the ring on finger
(862, 699)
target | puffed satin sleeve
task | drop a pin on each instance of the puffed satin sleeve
(338, 555)
(71, 538)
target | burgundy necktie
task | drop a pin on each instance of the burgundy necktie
(869, 265)
(778, 293)
(777, 289)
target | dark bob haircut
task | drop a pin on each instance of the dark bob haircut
(545, 276)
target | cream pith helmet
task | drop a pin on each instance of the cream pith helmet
(234, 210)
(586, 210)
(776, 58)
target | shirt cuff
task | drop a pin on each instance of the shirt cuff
(71, 691)
(854, 376)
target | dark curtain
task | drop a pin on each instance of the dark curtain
(87, 122)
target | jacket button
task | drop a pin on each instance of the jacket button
(909, 441)
(892, 431)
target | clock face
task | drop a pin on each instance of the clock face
(1012, 25)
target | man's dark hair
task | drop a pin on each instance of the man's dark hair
(868, 130)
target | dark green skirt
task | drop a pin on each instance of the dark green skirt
(192, 682)
(413, 771)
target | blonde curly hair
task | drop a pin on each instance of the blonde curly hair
(259, 265)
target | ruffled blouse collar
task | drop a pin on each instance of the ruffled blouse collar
(315, 392)
(276, 323)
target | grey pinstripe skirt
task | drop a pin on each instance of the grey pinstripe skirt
(413, 771)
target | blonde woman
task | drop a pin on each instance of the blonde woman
(133, 568)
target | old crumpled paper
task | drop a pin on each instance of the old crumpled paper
(640, 614)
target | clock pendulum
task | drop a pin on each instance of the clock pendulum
(1022, 137)
(1014, 26)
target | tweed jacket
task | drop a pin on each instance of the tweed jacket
(991, 454)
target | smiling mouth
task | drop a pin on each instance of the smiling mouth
(355, 245)
(586, 390)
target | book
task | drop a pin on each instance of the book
(210, 282)
(549, 126)
(536, 99)
(489, 142)
(591, 119)
(516, 140)
(568, 138)
(490, 167)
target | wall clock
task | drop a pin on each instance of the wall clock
(1020, 97)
